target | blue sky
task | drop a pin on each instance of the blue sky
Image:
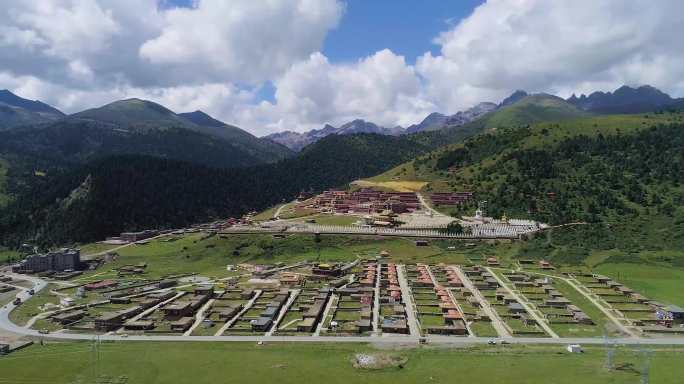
(277, 65)
(405, 27)
(369, 26)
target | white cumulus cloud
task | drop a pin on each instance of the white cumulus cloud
(216, 55)
(557, 46)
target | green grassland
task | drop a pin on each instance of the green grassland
(30, 308)
(538, 135)
(95, 248)
(266, 214)
(533, 109)
(199, 253)
(7, 255)
(662, 283)
(619, 173)
(151, 363)
(345, 220)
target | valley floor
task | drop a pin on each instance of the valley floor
(150, 363)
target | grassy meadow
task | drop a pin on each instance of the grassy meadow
(150, 363)
(209, 255)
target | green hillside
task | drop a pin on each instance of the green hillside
(4, 198)
(533, 109)
(620, 174)
(140, 116)
(16, 111)
(241, 139)
(11, 116)
(528, 110)
(132, 112)
(85, 205)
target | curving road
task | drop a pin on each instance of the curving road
(39, 284)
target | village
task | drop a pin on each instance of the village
(388, 213)
(373, 297)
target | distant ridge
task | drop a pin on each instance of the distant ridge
(10, 98)
(624, 100)
(297, 141)
(17, 111)
(140, 127)
(436, 121)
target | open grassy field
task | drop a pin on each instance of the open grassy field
(198, 253)
(267, 214)
(662, 283)
(6, 255)
(334, 219)
(95, 248)
(398, 186)
(199, 363)
(31, 307)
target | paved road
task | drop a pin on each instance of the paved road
(39, 284)
(376, 301)
(277, 212)
(605, 311)
(293, 296)
(326, 312)
(246, 308)
(199, 317)
(414, 330)
(542, 322)
(427, 206)
(496, 321)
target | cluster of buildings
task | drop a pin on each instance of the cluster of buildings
(392, 307)
(4, 284)
(268, 315)
(364, 201)
(132, 237)
(450, 198)
(65, 259)
(438, 311)
(650, 315)
(312, 311)
(369, 201)
(555, 307)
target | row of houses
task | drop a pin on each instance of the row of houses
(393, 320)
(270, 313)
(549, 297)
(453, 322)
(312, 314)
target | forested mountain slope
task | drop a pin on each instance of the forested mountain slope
(133, 192)
(621, 174)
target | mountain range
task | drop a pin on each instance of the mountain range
(16, 111)
(296, 141)
(130, 126)
(540, 107)
(113, 164)
(624, 100)
(435, 120)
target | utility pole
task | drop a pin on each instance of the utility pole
(646, 366)
(610, 350)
